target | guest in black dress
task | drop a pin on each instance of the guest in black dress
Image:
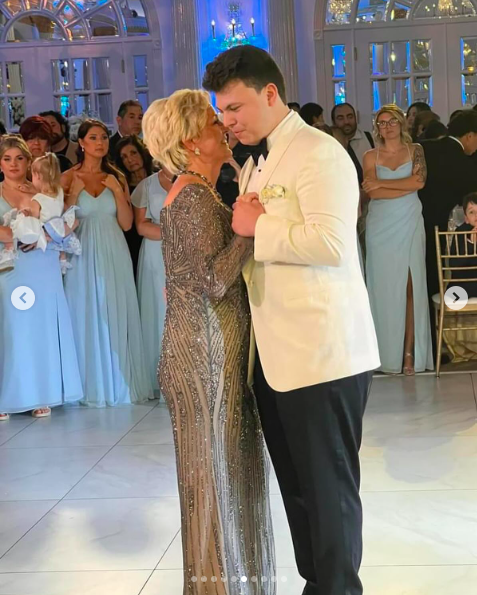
(135, 161)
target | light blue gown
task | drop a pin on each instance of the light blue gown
(102, 296)
(395, 245)
(151, 278)
(38, 363)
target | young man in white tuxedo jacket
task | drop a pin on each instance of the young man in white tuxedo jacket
(316, 344)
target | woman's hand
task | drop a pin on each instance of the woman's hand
(112, 183)
(27, 187)
(248, 197)
(370, 185)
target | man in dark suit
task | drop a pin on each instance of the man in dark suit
(129, 121)
(451, 175)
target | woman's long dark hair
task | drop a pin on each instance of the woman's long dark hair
(141, 149)
(106, 165)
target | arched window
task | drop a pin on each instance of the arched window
(45, 64)
(347, 12)
(52, 20)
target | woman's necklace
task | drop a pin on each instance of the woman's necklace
(209, 184)
(167, 178)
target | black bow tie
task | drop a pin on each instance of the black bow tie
(260, 149)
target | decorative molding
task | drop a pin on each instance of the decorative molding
(186, 44)
(282, 38)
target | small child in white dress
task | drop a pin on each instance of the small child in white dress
(46, 179)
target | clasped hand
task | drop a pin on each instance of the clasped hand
(247, 210)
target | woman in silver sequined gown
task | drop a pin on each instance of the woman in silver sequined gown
(222, 467)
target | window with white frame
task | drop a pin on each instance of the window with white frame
(83, 85)
(141, 81)
(12, 94)
(338, 72)
(400, 72)
(468, 52)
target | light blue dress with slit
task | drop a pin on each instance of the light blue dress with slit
(38, 362)
(104, 309)
(395, 247)
(151, 277)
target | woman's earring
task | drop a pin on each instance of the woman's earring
(197, 151)
(82, 148)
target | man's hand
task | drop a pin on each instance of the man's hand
(245, 217)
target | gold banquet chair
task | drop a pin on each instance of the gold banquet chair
(446, 319)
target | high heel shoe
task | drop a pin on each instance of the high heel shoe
(408, 370)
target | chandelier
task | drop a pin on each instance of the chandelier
(445, 7)
(340, 9)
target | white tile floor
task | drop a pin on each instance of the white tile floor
(88, 498)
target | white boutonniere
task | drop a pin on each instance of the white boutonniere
(272, 191)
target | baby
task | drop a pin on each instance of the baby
(46, 177)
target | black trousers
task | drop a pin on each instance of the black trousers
(313, 436)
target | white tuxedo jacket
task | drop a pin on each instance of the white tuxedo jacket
(310, 310)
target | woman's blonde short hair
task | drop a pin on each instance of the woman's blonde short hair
(14, 141)
(169, 122)
(395, 112)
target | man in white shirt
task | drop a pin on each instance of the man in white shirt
(310, 312)
(343, 116)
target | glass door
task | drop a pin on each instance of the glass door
(400, 65)
(85, 79)
(18, 86)
(338, 70)
(462, 65)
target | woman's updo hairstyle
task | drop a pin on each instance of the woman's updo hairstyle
(169, 122)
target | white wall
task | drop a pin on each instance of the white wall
(305, 26)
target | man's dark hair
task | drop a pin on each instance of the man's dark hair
(470, 199)
(62, 121)
(333, 111)
(125, 105)
(420, 106)
(250, 65)
(294, 105)
(3, 130)
(456, 113)
(435, 130)
(463, 124)
(310, 111)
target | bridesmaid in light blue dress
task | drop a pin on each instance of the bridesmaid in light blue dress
(38, 363)
(395, 247)
(100, 287)
(148, 199)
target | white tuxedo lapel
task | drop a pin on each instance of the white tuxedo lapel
(245, 174)
(279, 148)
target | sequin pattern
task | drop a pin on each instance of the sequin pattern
(222, 467)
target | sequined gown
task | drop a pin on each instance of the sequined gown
(222, 467)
